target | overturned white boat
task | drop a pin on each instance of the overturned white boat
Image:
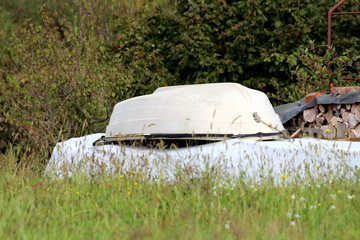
(204, 112)
(209, 111)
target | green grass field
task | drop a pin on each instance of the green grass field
(127, 207)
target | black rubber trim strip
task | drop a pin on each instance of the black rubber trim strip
(187, 135)
(103, 140)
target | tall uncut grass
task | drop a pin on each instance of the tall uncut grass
(129, 207)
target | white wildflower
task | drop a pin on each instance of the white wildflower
(293, 196)
(350, 196)
(292, 223)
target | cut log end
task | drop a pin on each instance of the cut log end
(333, 121)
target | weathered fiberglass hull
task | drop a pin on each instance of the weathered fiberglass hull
(238, 116)
(204, 111)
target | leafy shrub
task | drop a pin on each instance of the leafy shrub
(55, 82)
(218, 41)
(63, 70)
(315, 69)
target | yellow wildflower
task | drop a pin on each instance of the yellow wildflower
(283, 176)
(319, 204)
(339, 191)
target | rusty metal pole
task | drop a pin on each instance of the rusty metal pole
(330, 13)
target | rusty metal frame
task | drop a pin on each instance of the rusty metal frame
(330, 14)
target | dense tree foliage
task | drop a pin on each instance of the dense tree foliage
(63, 66)
(237, 41)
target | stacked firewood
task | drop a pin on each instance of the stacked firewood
(331, 121)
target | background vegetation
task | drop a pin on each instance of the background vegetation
(64, 64)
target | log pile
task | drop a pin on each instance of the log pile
(331, 121)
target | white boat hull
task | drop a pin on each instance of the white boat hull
(211, 111)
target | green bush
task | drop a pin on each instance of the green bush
(315, 69)
(221, 41)
(65, 66)
(55, 82)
